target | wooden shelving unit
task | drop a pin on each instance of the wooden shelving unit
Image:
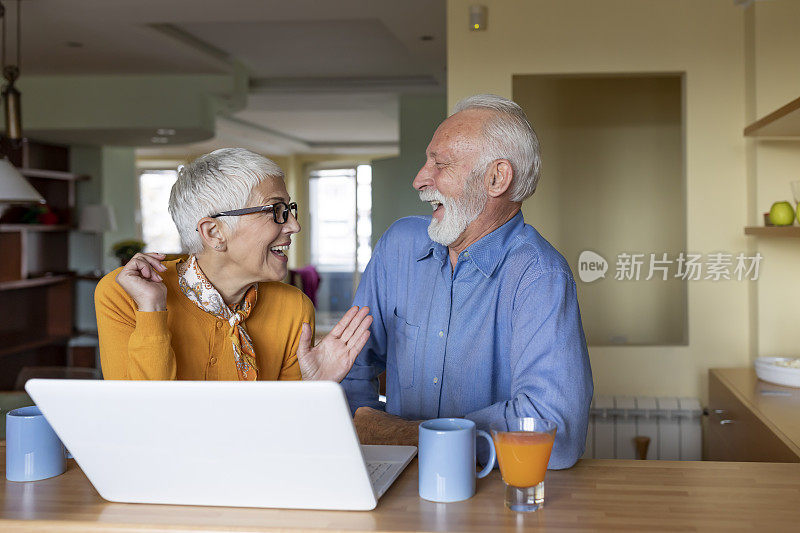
(34, 227)
(783, 122)
(773, 231)
(24, 345)
(36, 287)
(52, 174)
(33, 282)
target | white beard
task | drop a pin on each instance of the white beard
(458, 212)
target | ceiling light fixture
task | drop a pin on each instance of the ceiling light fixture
(11, 96)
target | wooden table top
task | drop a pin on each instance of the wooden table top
(595, 494)
(779, 412)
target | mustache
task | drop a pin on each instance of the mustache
(431, 195)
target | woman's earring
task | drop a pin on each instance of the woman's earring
(218, 247)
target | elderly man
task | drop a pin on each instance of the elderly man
(475, 314)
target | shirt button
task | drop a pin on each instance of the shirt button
(466, 254)
(441, 333)
(213, 361)
(435, 380)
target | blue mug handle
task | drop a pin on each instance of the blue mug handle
(489, 465)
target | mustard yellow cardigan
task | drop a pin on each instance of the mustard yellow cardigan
(185, 342)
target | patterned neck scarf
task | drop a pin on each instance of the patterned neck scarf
(199, 290)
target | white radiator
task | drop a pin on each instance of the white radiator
(672, 424)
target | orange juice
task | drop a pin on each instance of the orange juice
(523, 456)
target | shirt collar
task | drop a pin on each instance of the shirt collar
(486, 252)
(432, 248)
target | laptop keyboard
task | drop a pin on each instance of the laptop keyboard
(377, 470)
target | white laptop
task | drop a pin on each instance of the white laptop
(241, 444)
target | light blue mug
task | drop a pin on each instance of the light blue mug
(33, 450)
(447, 470)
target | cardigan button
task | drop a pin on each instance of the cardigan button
(213, 361)
(219, 324)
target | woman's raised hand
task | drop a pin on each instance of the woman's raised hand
(141, 280)
(332, 358)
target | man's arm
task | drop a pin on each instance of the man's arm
(379, 427)
(551, 374)
(361, 383)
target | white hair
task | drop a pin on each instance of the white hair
(508, 135)
(220, 181)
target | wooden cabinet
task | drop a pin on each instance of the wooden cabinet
(751, 420)
(36, 285)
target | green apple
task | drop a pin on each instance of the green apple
(781, 214)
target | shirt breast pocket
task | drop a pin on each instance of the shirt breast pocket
(405, 349)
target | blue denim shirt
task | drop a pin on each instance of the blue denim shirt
(499, 336)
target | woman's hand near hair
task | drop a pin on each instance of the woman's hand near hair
(332, 358)
(141, 280)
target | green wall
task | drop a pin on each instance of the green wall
(393, 196)
(113, 181)
(121, 191)
(128, 110)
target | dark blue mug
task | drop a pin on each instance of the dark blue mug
(33, 450)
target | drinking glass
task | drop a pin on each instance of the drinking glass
(523, 448)
(796, 192)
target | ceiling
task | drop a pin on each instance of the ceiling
(323, 75)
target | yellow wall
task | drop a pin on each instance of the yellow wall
(704, 41)
(774, 80)
(614, 148)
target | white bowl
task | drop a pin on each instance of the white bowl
(767, 370)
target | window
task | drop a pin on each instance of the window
(363, 215)
(158, 231)
(340, 207)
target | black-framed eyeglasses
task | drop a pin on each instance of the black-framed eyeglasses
(280, 211)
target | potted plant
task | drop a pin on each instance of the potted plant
(125, 250)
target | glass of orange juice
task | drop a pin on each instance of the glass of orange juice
(523, 448)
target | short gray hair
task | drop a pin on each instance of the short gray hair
(220, 181)
(510, 136)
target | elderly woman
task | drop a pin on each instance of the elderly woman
(223, 313)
